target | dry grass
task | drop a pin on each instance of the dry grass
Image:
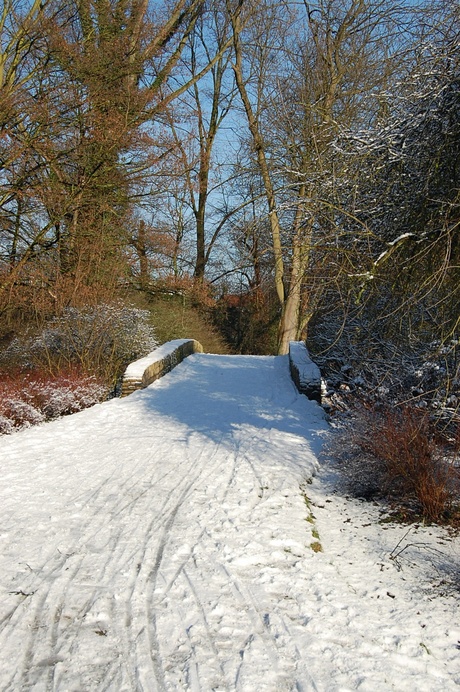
(175, 317)
(316, 547)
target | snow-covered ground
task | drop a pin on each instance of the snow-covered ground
(162, 542)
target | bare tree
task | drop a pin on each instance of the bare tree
(294, 106)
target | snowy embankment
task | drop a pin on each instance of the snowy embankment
(160, 542)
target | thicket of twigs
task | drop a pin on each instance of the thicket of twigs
(73, 361)
(406, 454)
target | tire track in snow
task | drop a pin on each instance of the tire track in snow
(22, 672)
(128, 555)
(193, 669)
(243, 592)
(45, 609)
(159, 522)
(195, 506)
(204, 464)
(135, 633)
(256, 617)
(46, 633)
(206, 521)
(242, 599)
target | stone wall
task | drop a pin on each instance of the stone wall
(146, 370)
(304, 372)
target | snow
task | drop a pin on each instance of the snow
(163, 542)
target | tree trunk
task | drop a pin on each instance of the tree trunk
(261, 159)
(289, 326)
(289, 323)
(200, 217)
(141, 248)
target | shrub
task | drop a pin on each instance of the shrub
(100, 340)
(27, 399)
(415, 462)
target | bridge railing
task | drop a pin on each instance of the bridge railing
(146, 370)
(305, 373)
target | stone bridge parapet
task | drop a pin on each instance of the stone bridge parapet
(139, 374)
(305, 373)
(144, 371)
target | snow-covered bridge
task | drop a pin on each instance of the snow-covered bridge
(164, 542)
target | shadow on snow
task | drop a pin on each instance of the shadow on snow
(218, 395)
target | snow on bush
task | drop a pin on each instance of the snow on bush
(29, 399)
(100, 339)
(16, 412)
(363, 365)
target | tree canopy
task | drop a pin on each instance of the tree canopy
(301, 156)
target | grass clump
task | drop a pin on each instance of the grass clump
(316, 547)
(310, 518)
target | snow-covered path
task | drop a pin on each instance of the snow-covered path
(160, 542)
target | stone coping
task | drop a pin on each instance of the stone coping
(162, 360)
(305, 373)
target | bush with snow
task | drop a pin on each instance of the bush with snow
(361, 363)
(31, 398)
(100, 340)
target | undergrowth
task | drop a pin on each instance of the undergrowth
(33, 397)
(100, 340)
(402, 455)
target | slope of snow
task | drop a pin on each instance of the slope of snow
(160, 542)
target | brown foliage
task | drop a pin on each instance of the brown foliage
(33, 397)
(418, 462)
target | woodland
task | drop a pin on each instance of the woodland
(254, 171)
